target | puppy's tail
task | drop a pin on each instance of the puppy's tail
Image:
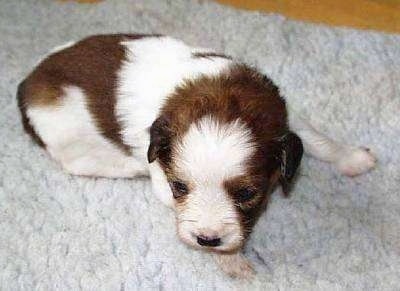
(22, 105)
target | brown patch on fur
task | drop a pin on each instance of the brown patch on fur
(210, 55)
(92, 65)
(240, 93)
(262, 185)
(25, 120)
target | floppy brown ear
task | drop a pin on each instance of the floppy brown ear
(291, 154)
(160, 137)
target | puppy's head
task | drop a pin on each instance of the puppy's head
(223, 145)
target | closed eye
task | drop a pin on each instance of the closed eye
(245, 194)
(179, 189)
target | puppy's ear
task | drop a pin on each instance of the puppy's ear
(160, 138)
(291, 154)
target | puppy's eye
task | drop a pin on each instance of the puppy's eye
(179, 189)
(245, 194)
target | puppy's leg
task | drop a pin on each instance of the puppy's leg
(86, 159)
(349, 160)
(235, 265)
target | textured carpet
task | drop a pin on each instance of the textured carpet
(59, 232)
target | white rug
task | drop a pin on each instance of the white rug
(59, 232)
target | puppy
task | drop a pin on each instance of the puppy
(212, 133)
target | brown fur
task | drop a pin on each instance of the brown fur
(91, 64)
(241, 93)
(25, 120)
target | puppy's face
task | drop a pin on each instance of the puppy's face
(220, 177)
(222, 144)
(207, 162)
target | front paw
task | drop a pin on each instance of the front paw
(235, 265)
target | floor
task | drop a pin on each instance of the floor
(382, 15)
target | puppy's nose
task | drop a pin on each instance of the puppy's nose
(208, 241)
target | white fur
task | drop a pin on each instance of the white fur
(63, 46)
(154, 67)
(210, 154)
(160, 185)
(72, 138)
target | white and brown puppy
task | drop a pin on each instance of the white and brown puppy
(212, 133)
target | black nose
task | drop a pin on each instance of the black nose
(208, 241)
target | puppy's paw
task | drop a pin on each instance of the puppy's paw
(356, 161)
(235, 265)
